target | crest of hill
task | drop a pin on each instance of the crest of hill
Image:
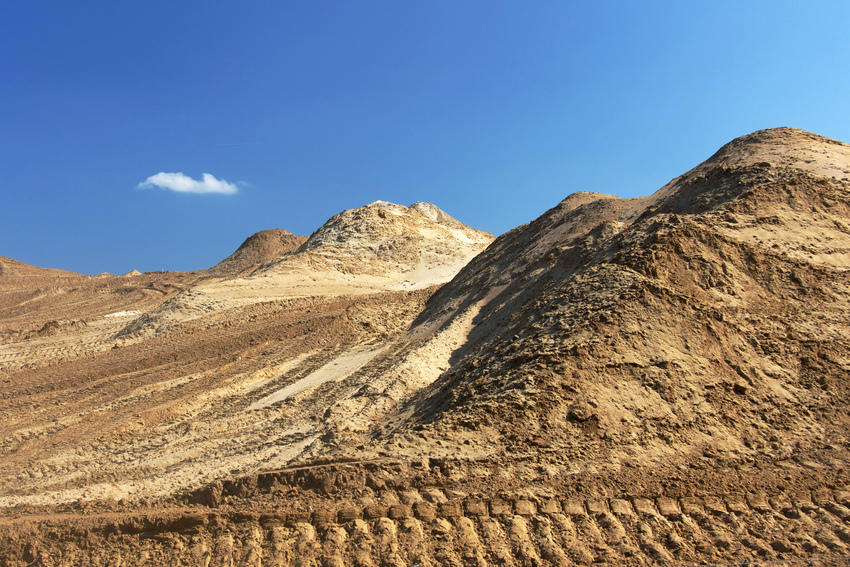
(411, 246)
(375, 248)
(785, 147)
(12, 269)
(658, 326)
(258, 249)
(372, 226)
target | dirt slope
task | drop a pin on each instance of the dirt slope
(660, 380)
(133, 377)
(710, 316)
(12, 271)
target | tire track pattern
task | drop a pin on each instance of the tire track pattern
(427, 528)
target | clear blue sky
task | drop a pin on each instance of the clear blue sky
(494, 111)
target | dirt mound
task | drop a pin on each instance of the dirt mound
(377, 226)
(257, 250)
(665, 328)
(11, 271)
(659, 380)
(372, 249)
(397, 246)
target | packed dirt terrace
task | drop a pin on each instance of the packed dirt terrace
(659, 380)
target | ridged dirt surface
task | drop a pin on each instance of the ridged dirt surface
(660, 380)
(362, 514)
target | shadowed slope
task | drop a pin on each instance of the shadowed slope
(710, 316)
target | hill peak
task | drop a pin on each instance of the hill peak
(384, 244)
(371, 225)
(785, 147)
(259, 248)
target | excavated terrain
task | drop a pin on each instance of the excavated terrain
(659, 380)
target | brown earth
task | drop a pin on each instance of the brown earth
(660, 380)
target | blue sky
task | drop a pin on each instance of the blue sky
(494, 111)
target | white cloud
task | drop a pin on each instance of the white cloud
(185, 184)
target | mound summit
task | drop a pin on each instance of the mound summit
(658, 380)
(258, 249)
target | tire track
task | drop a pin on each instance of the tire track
(554, 531)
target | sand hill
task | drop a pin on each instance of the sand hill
(385, 245)
(258, 249)
(379, 247)
(11, 271)
(665, 328)
(659, 380)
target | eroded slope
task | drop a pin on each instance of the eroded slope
(705, 322)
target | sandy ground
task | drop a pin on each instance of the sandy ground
(661, 380)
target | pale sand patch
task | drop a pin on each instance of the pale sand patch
(337, 369)
(416, 369)
(131, 313)
(184, 478)
(429, 273)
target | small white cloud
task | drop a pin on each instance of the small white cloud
(185, 184)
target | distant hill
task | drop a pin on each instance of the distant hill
(258, 249)
(13, 269)
(388, 244)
